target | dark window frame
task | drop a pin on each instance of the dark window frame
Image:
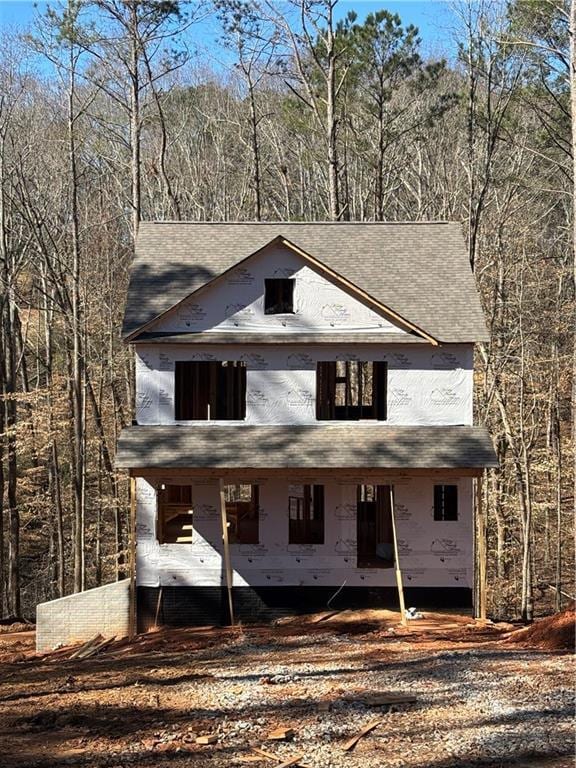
(210, 390)
(446, 503)
(174, 501)
(279, 296)
(247, 532)
(308, 526)
(354, 409)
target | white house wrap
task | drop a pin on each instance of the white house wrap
(310, 295)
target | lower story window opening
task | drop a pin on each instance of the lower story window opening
(306, 514)
(242, 512)
(175, 513)
(446, 502)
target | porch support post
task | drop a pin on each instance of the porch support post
(480, 552)
(227, 560)
(132, 622)
(403, 618)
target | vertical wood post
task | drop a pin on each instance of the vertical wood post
(403, 618)
(132, 558)
(480, 552)
(227, 560)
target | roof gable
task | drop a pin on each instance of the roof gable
(419, 271)
(323, 301)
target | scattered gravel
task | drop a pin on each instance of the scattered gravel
(487, 704)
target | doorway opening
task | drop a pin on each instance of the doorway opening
(375, 548)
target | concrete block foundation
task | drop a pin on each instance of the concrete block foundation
(77, 618)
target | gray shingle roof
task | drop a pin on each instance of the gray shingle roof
(325, 446)
(419, 270)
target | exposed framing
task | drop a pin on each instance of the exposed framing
(480, 581)
(132, 618)
(312, 501)
(328, 379)
(397, 568)
(214, 384)
(227, 559)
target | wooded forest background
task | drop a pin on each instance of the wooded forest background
(109, 116)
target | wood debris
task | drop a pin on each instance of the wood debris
(281, 734)
(351, 743)
(91, 647)
(291, 761)
(383, 698)
(263, 753)
(77, 654)
(211, 739)
(325, 616)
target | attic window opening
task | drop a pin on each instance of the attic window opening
(278, 296)
(210, 390)
(446, 502)
(351, 390)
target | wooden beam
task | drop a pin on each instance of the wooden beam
(480, 552)
(227, 559)
(356, 475)
(397, 569)
(132, 619)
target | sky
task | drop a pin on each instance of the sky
(432, 17)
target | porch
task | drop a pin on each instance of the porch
(280, 521)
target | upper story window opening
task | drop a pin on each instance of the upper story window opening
(209, 390)
(279, 296)
(351, 390)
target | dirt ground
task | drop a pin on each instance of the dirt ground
(481, 698)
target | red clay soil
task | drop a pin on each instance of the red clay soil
(479, 701)
(554, 633)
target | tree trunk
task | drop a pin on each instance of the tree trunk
(573, 115)
(135, 119)
(9, 376)
(332, 135)
(77, 351)
(255, 152)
